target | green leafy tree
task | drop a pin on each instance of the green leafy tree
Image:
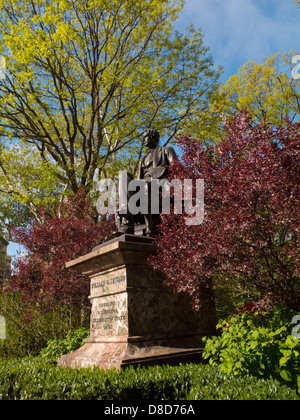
(26, 185)
(84, 78)
(268, 91)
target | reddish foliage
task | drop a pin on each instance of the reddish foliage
(251, 225)
(40, 276)
(248, 308)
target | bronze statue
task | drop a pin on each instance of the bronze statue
(153, 166)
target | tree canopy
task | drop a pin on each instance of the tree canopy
(268, 91)
(85, 78)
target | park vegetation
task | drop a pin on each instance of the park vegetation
(82, 81)
(249, 240)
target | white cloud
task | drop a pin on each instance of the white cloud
(242, 30)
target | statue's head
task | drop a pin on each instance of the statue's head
(151, 138)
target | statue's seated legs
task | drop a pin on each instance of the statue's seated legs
(124, 219)
(139, 224)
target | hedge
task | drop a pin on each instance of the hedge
(41, 379)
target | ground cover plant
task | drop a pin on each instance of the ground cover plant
(73, 341)
(258, 344)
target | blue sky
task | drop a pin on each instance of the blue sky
(238, 31)
(13, 249)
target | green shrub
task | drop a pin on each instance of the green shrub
(40, 379)
(212, 384)
(73, 341)
(29, 329)
(257, 344)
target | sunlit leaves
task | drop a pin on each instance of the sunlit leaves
(266, 90)
(85, 78)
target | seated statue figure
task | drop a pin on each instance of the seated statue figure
(154, 165)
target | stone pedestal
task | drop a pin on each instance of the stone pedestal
(134, 318)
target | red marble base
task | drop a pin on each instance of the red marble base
(135, 319)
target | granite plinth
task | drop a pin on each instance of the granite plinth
(135, 319)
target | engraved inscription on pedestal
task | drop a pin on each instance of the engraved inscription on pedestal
(109, 282)
(109, 304)
(109, 315)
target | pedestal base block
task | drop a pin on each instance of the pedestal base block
(135, 319)
(122, 354)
